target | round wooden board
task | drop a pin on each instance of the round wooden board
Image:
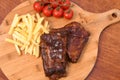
(28, 67)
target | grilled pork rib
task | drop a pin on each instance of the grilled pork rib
(53, 51)
(60, 44)
(77, 38)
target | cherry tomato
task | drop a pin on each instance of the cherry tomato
(46, 2)
(59, 1)
(54, 3)
(38, 6)
(47, 10)
(68, 14)
(55, 0)
(65, 4)
(58, 12)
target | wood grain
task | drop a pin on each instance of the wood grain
(107, 66)
(87, 60)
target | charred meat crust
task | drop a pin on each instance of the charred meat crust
(77, 37)
(60, 44)
(53, 50)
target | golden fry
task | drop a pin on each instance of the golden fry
(12, 41)
(14, 23)
(26, 31)
(17, 48)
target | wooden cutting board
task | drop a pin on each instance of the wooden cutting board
(28, 67)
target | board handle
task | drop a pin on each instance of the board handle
(105, 19)
(109, 17)
(95, 23)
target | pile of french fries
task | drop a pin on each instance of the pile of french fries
(26, 31)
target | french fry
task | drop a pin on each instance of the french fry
(33, 23)
(38, 39)
(34, 41)
(45, 30)
(26, 49)
(45, 24)
(20, 35)
(25, 20)
(23, 47)
(30, 49)
(14, 23)
(34, 51)
(26, 31)
(22, 25)
(17, 48)
(22, 32)
(38, 25)
(12, 41)
(38, 16)
(30, 26)
(37, 51)
(20, 39)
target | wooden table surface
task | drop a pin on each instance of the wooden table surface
(108, 62)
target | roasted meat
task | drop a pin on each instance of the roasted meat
(77, 38)
(61, 45)
(53, 51)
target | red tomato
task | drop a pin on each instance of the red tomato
(55, 0)
(59, 1)
(47, 10)
(68, 14)
(45, 1)
(65, 4)
(58, 12)
(54, 4)
(38, 6)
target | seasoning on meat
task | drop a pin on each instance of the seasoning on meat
(53, 51)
